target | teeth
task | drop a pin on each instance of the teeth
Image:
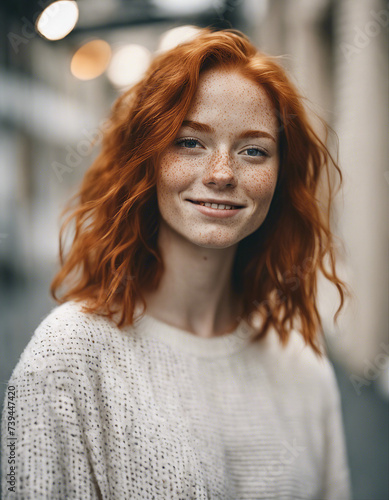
(216, 205)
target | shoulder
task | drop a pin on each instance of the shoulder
(299, 369)
(68, 338)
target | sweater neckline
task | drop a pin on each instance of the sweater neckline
(185, 341)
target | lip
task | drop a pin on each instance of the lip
(219, 202)
(215, 212)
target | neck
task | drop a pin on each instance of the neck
(195, 292)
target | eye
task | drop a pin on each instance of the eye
(255, 152)
(188, 143)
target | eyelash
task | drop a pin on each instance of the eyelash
(180, 143)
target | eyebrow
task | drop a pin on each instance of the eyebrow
(203, 127)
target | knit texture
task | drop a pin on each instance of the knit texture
(151, 411)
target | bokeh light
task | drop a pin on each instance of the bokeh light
(91, 60)
(58, 19)
(128, 64)
(175, 36)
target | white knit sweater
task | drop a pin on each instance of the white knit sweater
(155, 412)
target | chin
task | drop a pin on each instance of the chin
(201, 237)
(217, 242)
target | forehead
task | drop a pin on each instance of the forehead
(224, 94)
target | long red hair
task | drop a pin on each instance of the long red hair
(114, 255)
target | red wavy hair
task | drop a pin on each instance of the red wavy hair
(114, 255)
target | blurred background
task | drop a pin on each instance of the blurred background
(62, 67)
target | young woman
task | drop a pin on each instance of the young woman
(186, 360)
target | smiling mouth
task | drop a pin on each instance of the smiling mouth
(224, 206)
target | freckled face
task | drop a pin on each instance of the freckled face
(225, 150)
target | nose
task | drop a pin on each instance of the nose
(220, 171)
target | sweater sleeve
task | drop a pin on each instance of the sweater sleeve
(337, 484)
(43, 434)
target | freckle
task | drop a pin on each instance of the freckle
(205, 258)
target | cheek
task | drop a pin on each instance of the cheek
(173, 176)
(261, 185)
(173, 171)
